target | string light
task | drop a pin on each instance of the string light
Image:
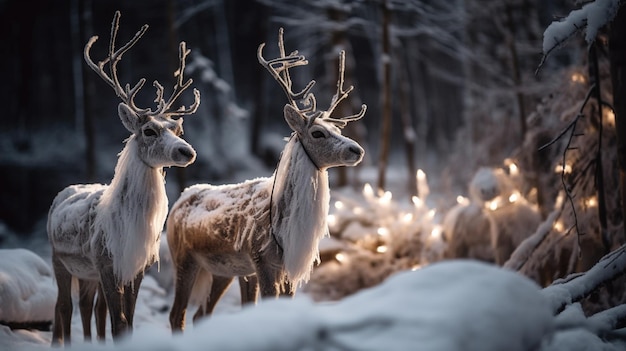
(339, 205)
(610, 117)
(578, 77)
(407, 217)
(332, 220)
(417, 201)
(558, 226)
(381, 249)
(382, 231)
(461, 200)
(340, 257)
(436, 232)
(591, 202)
(368, 191)
(386, 198)
(559, 169)
(514, 197)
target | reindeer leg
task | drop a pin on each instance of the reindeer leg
(114, 295)
(86, 294)
(218, 288)
(287, 288)
(101, 314)
(186, 271)
(131, 291)
(61, 332)
(249, 288)
(269, 277)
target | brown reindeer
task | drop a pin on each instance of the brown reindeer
(106, 235)
(268, 227)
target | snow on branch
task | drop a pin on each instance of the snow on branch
(591, 17)
(577, 286)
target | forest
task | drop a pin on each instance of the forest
(493, 133)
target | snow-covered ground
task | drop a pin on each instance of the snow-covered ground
(450, 305)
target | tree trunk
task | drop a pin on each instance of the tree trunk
(86, 20)
(617, 54)
(385, 130)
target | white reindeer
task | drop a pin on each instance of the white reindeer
(268, 227)
(108, 234)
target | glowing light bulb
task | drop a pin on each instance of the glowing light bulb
(431, 213)
(407, 217)
(340, 257)
(420, 175)
(368, 191)
(382, 231)
(386, 198)
(558, 226)
(461, 200)
(514, 197)
(417, 201)
(339, 205)
(436, 232)
(332, 220)
(591, 202)
(381, 249)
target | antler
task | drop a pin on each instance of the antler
(279, 69)
(127, 95)
(164, 106)
(339, 96)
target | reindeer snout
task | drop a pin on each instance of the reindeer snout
(185, 154)
(355, 154)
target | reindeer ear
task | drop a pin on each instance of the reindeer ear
(295, 120)
(129, 118)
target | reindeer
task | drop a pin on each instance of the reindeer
(106, 235)
(265, 227)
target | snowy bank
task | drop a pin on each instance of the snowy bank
(453, 305)
(27, 291)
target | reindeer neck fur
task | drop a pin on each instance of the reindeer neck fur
(300, 204)
(130, 214)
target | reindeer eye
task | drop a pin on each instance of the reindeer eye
(149, 132)
(317, 134)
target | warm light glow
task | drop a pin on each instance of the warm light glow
(513, 169)
(559, 169)
(417, 201)
(368, 191)
(431, 213)
(407, 217)
(514, 197)
(461, 200)
(421, 175)
(436, 232)
(331, 220)
(381, 249)
(558, 226)
(382, 231)
(416, 267)
(386, 198)
(610, 116)
(494, 203)
(591, 202)
(339, 205)
(357, 210)
(578, 78)
(341, 258)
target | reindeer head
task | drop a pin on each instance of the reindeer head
(319, 133)
(157, 133)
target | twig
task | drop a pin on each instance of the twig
(576, 287)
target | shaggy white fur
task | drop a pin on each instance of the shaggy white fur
(130, 214)
(300, 202)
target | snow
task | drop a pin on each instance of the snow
(27, 291)
(453, 305)
(591, 16)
